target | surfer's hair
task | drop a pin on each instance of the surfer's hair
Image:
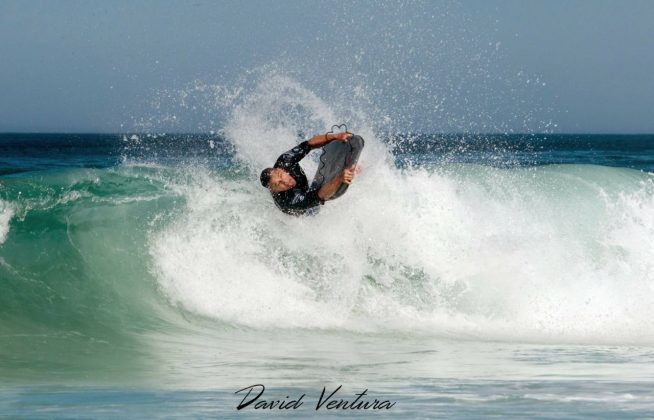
(265, 177)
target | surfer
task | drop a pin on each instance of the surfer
(288, 184)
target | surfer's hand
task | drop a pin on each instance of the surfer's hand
(340, 136)
(348, 175)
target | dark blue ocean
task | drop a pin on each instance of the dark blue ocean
(22, 152)
(150, 276)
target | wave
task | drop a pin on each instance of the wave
(74, 250)
(558, 253)
(553, 253)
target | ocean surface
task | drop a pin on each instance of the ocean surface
(150, 275)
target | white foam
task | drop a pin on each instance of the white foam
(555, 254)
(6, 213)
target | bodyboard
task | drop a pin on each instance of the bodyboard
(335, 157)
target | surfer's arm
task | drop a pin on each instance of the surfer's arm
(320, 140)
(327, 190)
(287, 159)
(296, 154)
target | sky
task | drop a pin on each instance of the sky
(437, 66)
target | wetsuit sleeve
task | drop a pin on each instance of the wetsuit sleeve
(293, 156)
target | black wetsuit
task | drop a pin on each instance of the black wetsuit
(299, 199)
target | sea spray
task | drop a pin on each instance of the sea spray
(454, 250)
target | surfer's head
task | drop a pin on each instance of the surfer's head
(277, 180)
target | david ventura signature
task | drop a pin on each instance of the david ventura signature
(325, 401)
